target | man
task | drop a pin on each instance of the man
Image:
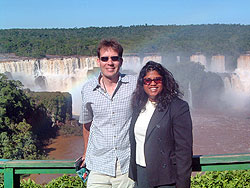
(106, 114)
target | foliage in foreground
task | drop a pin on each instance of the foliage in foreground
(64, 181)
(17, 140)
(222, 179)
(29, 184)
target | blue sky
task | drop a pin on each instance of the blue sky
(99, 13)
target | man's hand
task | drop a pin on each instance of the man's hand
(83, 160)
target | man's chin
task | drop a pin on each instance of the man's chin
(113, 76)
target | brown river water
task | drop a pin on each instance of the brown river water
(213, 133)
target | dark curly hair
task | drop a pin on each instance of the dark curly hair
(169, 91)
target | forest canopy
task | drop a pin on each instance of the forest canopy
(26, 119)
(211, 39)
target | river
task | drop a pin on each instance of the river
(213, 133)
(62, 147)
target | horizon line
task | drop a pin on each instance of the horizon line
(133, 25)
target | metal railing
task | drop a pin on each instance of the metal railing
(12, 169)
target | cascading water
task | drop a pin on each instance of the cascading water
(67, 74)
(217, 64)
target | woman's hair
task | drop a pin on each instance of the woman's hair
(170, 88)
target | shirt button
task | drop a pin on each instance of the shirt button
(115, 148)
(164, 165)
(114, 136)
(113, 112)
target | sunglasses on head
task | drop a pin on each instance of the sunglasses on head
(148, 81)
(113, 58)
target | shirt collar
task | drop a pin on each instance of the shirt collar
(122, 78)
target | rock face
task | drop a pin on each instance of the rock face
(199, 58)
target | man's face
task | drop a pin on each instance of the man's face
(109, 63)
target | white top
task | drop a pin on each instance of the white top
(140, 130)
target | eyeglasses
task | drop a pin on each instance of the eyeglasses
(113, 58)
(148, 81)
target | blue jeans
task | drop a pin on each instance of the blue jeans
(142, 181)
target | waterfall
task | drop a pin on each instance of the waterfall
(67, 74)
(218, 64)
(155, 58)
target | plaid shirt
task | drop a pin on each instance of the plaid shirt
(110, 116)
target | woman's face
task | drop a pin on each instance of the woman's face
(152, 84)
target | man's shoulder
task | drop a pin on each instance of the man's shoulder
(129, 78)
(90, 84)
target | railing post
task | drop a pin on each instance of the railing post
(10, 179)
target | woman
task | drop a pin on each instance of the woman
(160, 132)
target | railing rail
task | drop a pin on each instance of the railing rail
(12, 169)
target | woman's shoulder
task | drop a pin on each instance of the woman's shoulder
(177, 102)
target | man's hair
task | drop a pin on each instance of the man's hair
(170, 88)
(110, 43)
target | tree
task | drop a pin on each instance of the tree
(16, 138)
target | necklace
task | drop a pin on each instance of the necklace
(104, 85)
(153, 103)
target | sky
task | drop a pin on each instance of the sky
(105, 13)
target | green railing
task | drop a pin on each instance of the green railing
(12, 169)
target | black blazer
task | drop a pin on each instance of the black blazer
(168, 146)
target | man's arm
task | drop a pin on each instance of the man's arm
(85, 129)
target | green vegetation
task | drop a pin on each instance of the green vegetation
(57, 104)
(222, 179)
(27, 119)
(16, 138)
(29, 184)
(227, 39)
(70, 128)
(66, 181)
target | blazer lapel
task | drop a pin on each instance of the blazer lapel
(155, 119)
